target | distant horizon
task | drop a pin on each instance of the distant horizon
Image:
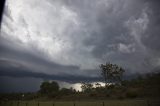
(17, 85)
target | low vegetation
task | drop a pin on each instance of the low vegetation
(83, 103)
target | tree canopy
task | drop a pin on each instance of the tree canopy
(49, 87)
(86, 87)
(111, 72)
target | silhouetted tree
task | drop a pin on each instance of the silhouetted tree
(111, 72)
(66, 91)
(49, 87)
(86, 87)
(97, 85)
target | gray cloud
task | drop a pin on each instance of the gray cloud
(16, 84)
(12, 69)
(68, 39)
(152, 32)
(35, 63)
(118, 31)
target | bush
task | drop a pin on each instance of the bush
(121, 97)
(93, 94)
(131, 94)
(53, 95)
(110, 86)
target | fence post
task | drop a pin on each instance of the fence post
(11, 103)
(102, 103)
(38, 103)
(74, 104)
(26, 104)
(148, 104)
(18, 103)
(53, 104)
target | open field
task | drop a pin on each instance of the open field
(84, 103)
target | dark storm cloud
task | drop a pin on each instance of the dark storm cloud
(28, 58)
(153, 31)
(125, 32)
(112, 40)
(13, 64)
(16, 84)
(11, 51)
(105, 22)
(12, 69)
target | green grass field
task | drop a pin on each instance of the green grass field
(84, 103)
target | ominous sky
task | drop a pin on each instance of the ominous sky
(66, 40)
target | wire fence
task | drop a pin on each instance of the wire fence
(83, 103)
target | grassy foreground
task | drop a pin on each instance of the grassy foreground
(84, 103)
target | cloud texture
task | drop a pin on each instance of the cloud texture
(70, 38)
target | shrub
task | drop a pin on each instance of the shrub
(131, 94)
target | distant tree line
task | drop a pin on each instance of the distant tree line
(142, 86)
(52, 89)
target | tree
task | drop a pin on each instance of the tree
(66, 91)
(97, 85)
(49, 87)
(111, 72)
(86, 87)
